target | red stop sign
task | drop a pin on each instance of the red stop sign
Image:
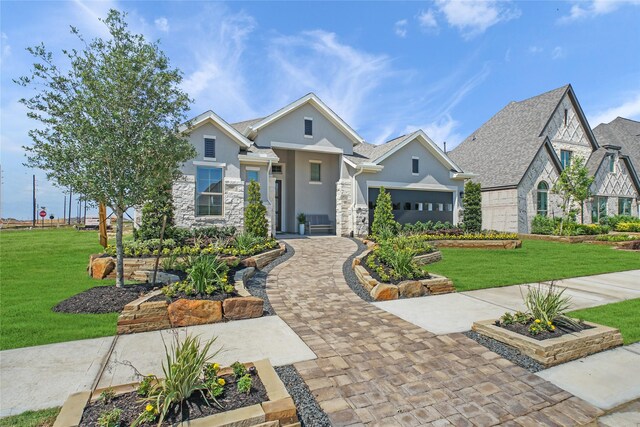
(43, 214)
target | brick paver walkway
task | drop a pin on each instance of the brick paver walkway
(376, 369)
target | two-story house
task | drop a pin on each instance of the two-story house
(308, 160)
(521, 151)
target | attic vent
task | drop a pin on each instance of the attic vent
(474, 138)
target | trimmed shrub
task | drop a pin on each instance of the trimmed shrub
(472, 205)
(544, 225)
(255, 214)
(633, 227)
(383, 220)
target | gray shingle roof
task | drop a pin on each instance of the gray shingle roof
(595, 159)
(242, 126)
(624, 133)
(366, 152)
(502, 149)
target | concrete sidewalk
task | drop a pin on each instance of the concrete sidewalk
(42, 377)
(445, 314)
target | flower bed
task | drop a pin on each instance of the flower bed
(266, 401)
(488, 240)
(553, 351)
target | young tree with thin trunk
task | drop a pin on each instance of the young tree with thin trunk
(109, 125)
(573, 187)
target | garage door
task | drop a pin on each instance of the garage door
(410, 206)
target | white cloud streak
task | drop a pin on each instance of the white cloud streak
(590, 9)
(427, 20)
(162, 24)
(400, 28)
(472, 18)
(629, 109)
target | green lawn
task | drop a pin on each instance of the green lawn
(535, 261)
(38, 269)
(43, 418)
(624, 315)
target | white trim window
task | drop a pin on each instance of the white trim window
(415, 165)
(209, 191)
(315, 169)
(252, 173)
(308, 127)
(209, 147)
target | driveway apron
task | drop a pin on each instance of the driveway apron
(374, 368)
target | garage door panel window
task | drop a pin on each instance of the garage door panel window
(410, 206)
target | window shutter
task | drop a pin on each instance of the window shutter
(210, 148)
(308, 127)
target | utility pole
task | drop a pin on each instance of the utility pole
(34, 200)
(64, 215)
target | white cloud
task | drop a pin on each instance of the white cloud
(400, 28)
(428, 20)
(89, 14)
(629, 109)
(557, 53)
(475, 17)
(162, 24)
(535, 49)
(341, 75)
(440, 131)
(591, 9)
(5, 47)
(217, 80)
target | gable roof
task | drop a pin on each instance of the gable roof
(244, 125)
(501, 150)
(624, 133)
(376, 154)
(211, 117)
(257, 124)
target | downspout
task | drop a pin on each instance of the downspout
(354, 195)
(268, 198)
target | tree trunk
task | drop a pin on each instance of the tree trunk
(119, 248)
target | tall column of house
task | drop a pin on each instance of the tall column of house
(344, 200)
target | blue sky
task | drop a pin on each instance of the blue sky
(386, 67)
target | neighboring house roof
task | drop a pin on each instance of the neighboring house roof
(623, 133)
(244, 125)
(211, 117)
(252, 128)
(502, 149)
(366, 153)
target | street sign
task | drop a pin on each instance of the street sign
(43, 214)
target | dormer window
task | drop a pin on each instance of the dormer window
(308, 127)
(210, 147)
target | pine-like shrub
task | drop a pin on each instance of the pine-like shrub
(255, 214)
(383, 220)
(472, 205)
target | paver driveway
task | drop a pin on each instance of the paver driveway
(374, 368)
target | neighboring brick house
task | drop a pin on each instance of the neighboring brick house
(307, 159)
(520, 152)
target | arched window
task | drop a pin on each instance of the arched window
(543, 203)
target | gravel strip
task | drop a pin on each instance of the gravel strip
(257, 285)
(350, 275)
(510, 353)
(309, 412)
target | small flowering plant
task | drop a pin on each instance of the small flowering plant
(149, 415)
(214, 384)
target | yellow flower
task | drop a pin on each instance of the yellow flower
(553, 328)
(216, 367)
(549, 322)
(149, 408)
(221, 381)
(537, 320)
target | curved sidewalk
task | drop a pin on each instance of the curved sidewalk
(374, 368)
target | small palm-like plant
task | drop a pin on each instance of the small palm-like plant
(549, 305)
(205, 270)
(247, 241)
(182, 368)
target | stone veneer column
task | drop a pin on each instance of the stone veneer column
(344, 196)
(362, 220)
(184, 190)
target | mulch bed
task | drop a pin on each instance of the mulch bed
(195, 407)
(103, 299)
(521, 329)
(391, 280)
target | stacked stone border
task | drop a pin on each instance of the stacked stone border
(554, 351)
(102, 266)
(478, 244)
(435, 285)
(562, 239)
(278, 411)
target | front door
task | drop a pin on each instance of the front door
(278, 205)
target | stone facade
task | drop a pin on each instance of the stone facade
(541, 169)
(612, 185)
(184, 190)
(344, 199)
(500, 210)
(570, 135)
(361, 220)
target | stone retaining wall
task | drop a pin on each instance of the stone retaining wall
(554, 351)
(278, 411)
(143, 315)
(429, 258)
(435, 285)
(563, 239)
(478, 244)
(102, 266)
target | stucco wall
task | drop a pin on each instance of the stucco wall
(290, 129)
(541, 169)
(227, 151)
(500, 210)
(316, 198)
(572, 136)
